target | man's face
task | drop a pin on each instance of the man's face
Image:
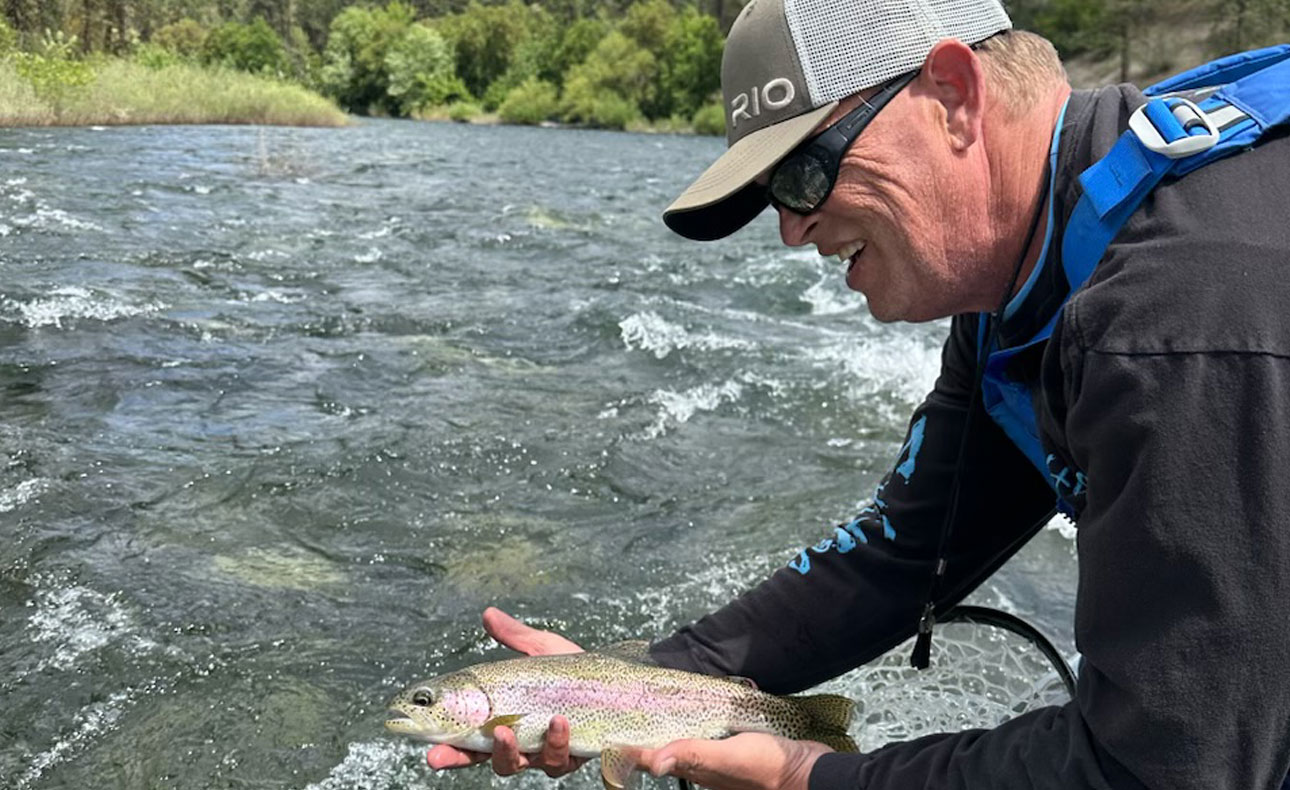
(908, 212)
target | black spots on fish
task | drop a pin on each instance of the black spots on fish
(423, 697)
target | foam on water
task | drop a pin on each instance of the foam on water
(651, 332)
(71, 303)
(1062, 526)
(92, 722)
(77, 620)
(376, 765)
(902, 365)
(21, 494)
(825, 298)
(679, 407)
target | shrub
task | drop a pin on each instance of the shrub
(531, 102)
(690, 64)
(54, 73)
(462, 111)
(420, 68)
(8, 38)
(184, 38)
(354, 69)
(254, 48)
(487, 37)
(710, 119)
(155, 56)
(612, 80)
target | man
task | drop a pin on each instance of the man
(1146, 393)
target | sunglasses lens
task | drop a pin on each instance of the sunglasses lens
(801, 182)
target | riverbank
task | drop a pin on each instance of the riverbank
(125, 92)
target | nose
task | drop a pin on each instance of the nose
(795, 229)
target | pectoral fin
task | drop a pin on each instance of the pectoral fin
(616, 766)
(499, 721)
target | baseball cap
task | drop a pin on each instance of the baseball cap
(787, 64)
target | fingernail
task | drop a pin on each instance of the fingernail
(665, 767)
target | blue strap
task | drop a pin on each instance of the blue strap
(1249, 92)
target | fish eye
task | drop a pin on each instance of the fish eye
(422, 697)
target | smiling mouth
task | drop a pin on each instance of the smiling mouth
(850, 252)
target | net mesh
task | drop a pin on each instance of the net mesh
(848, 46)
(981, 676)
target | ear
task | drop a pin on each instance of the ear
(952, 75)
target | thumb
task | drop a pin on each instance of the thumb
(524, 638)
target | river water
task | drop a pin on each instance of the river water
(282, 410)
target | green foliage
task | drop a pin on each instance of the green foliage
(462, 111)
(421, 71)
(486, 38)
(304, 63)
(1245, 24)
(354, 70)
(253, 48)
(184, 38)
(155, 57)
(575, 44)
(690, 67)
(606, 89)
(8, 38)
(530, 102)
(55, 74)
(710, 119)
(647, 23)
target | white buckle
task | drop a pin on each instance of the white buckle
(1185, 111)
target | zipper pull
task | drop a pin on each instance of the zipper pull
(921, 658)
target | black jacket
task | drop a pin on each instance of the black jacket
(1166, 386)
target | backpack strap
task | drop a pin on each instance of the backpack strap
(1190, 120)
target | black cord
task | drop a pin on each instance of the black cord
(920, 658)
(984, 615)
(683, 784)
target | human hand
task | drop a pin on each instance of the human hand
(554, 758)
(748, 761)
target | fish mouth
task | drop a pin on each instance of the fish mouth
(398, 722)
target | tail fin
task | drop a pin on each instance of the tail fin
(830, 716)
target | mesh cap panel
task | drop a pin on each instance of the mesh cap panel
(846, 46)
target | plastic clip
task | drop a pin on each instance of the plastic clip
(1174, 127)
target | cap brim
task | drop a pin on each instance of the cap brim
(723, 199)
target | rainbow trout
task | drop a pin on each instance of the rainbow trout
(615, 701)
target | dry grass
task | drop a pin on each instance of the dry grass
(129, 93)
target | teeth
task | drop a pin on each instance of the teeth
(847, 252)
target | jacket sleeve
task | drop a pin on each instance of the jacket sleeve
(1181, 614)
(860, 591)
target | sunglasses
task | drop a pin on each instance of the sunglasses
(803, 179)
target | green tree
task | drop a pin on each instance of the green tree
(485, 39)
(1245, 24)
(690, 66)
(531, 102)
(354, 70)
(421, 71)
(185, 38)
(8, 38)
(606, 89)
(576, 43)
(255, 48)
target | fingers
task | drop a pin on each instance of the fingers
(444, 757)
(523, 638)
(554, 758)
(507, 760)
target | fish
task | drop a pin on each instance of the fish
(617, 702)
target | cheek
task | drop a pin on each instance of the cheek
(468, 708)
